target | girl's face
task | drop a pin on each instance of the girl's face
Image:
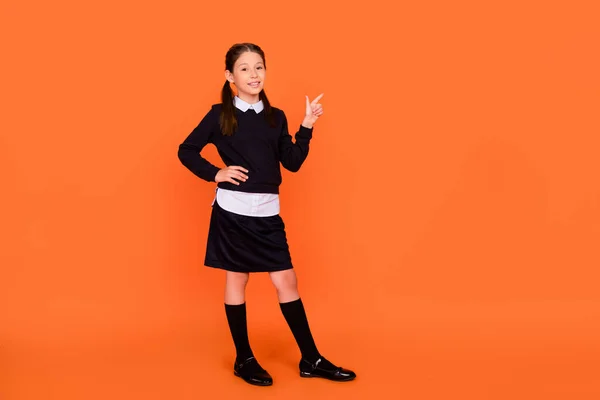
(248, 75)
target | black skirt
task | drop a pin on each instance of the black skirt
(242, 243)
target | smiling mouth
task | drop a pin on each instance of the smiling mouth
(254, 84)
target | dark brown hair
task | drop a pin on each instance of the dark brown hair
(227, 120)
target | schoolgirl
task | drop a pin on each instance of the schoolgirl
(246, 233)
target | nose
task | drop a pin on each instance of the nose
(254, 73)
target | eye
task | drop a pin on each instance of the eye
(260, 67)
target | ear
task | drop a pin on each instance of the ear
(229, 76)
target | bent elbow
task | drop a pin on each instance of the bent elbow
(293, 167)
(184, 152)
(181, 155)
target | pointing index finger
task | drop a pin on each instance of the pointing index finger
(315, 101)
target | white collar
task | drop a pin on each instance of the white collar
(244, 106)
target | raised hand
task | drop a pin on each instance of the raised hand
(229, 173)
(313, 111)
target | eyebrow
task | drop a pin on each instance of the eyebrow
(260, 62)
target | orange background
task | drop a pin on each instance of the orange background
(444, 228)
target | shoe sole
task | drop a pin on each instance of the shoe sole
(309, 375)
(250, 382)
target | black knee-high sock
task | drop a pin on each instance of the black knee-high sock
(236, 317)
(295, 316)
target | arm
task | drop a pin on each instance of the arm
(189, 150)
(292, 155)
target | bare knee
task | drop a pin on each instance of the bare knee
(237, 279)
(235, 287)
(286, 284)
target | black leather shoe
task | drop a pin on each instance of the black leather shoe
(251, 371)
(310, 370)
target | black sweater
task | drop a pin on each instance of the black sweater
(255, 145)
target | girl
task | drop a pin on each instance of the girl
(246, 233)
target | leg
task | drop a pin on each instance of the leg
(312, 364)
(246, 365)
(235, 308)
(235, 287)
(286, 284)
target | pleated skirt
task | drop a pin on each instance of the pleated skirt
(242, 243)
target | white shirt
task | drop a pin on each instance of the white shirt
(250, 204)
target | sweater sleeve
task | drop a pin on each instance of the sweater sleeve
(292, 155)
(189, 150)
